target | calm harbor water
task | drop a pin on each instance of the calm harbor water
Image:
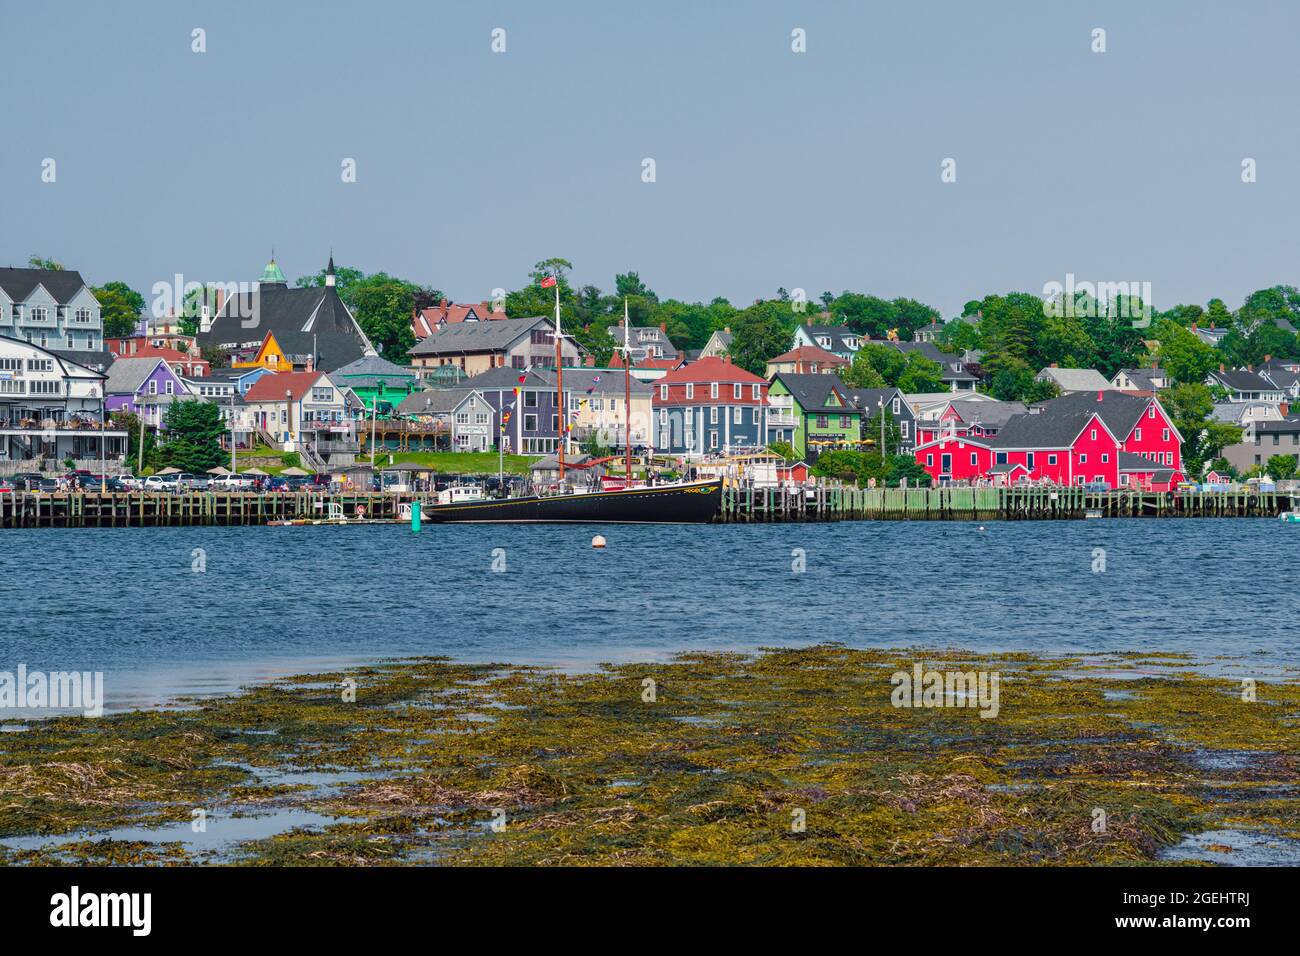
(161, 618)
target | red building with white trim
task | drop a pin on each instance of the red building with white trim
(1114, 438)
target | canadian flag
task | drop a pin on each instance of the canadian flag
(548, 282)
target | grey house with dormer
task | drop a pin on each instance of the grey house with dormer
(50, 308)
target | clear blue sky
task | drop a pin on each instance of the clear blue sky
(815, 171)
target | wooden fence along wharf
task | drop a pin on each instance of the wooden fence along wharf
(839, 503)
(825, 503)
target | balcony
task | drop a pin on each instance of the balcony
(777, 419)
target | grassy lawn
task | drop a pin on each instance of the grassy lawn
(460, 462)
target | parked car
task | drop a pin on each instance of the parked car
(26, 481)
(131, 482)
(275, 483)
(7, 484)
(231, 483)
(160, 483)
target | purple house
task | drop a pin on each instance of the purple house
(144, 387)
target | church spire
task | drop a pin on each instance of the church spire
(329, 271)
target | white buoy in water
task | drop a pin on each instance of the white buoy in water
(981, 527)
(598, 541)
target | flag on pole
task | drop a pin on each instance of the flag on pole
(548, 282)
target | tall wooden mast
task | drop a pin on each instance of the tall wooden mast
(559, 381)
(627, 394)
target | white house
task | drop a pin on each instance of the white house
(52, 409)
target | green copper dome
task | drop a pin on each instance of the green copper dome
(272, 273)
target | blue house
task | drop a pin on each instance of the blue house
(710, 407)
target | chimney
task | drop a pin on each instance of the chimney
(589, 361)
(1267, 359)
(1053, 365)
(1284, 408)
(727, 329)
(311, 363)
(727, 359)
(1221, 368)
(1100, 393)
(1194, 325)
(663, 327)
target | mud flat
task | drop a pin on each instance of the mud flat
(779, 757)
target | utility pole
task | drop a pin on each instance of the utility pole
(233, 470)
(140, 463)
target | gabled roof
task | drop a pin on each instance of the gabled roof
(835, 333)
(426, 320)
(987, 413)
(711, 369)
(503, 377)
(1143, 379)
(809, 353)
(127, 375)
(303, 321)
(434, 401)
(62, 284)
(369, 370)
(604, 382)
(1287, 426)
(465, 337)
(1121, 411)
(813, 390)
(868, 399)
(1131, 462)
(98, 361)
(653, 335)
(1075, 379)
(271, 388)
(1057, 429)
(1243, 380)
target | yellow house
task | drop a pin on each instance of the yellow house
(269, 356)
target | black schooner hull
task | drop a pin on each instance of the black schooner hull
(692, 503)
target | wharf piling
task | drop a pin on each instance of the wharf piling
(153, 509)
(846, 503)
(825, 502)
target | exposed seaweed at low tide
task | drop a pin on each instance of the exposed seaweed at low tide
(790, 756)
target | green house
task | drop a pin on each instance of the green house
(813, 413)
(375, 380)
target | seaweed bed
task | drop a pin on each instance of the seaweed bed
(782, 757)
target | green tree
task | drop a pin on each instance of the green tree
(383, 306)
(130, 423)
(920, 374)
(120, 318)
(37, 262)
(759, 333)
(1191, 405)
(782, 448)
(875, 365)
(1280, 467)
(133, 299)
(906, 467)
(1184, 357)
(893, 436)
(192, 436)
(344, 278)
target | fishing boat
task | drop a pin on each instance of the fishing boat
(689, 502)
